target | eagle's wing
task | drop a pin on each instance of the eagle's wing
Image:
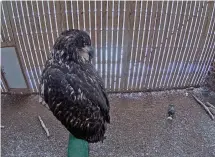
(78, 99)
(97, 79)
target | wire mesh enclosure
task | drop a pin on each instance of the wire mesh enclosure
(139, 45)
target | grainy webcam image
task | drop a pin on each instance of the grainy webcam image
(107, 78)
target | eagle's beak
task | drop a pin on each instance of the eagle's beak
(91, 52)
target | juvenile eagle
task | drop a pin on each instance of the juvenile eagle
(73, 89)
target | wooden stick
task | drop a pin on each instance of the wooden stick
(209, 104)
(212, 110)
(211, 107)
(41, 101)
(44, 127)
(47, 106)
(190, 88)
(204, 106)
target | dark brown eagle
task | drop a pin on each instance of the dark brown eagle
(73, 89)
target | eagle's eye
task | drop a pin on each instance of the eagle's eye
(79, 43)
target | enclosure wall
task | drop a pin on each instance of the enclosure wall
(139, 45)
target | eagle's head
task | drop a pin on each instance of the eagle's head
(73, 45)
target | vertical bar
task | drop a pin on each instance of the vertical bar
(50, 15)
(185, 80)
(164, 45)
(174, 32)
(186, 31)
(167, 48)
(140, 47)
(29, 43)
(9, 12)
(5, 23)
(152, 43)
(92, 28)
(166, 41)
(148, 48)
(178, 34)
(73, 17)
(170, 46)
(122, 48)
(84, 14)
(159, 41)
(114, 45)
(182, 49)
(3, 34)
(202, 56)
(97, 10)
(178, 41)
(41, 45)
(35, 47)
(42, 28)
(137, 48)
(192, 32)
(95, 31)
(106, 45)
(103, 39)
(111, 52)
(132, 48)
(130, 14)
(81, 14)
(109, 43)
(61, 17)
(77, 11)
(100, 39)
(66, 12)
(53, 21)
(119, 44)
(55, 15)
(46, 26)
(133, 63)
(207, 58)
(28, 70)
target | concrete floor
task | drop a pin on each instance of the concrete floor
(138, 128)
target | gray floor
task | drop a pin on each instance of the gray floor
(138, 128)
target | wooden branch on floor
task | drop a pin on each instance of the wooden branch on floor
(44, 127)
(210, 105)
(41, 101)
(211, 108)
(204, 106)
(190, 88)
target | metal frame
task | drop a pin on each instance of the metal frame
(16, 90)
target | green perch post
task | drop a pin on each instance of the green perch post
(77, 147)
